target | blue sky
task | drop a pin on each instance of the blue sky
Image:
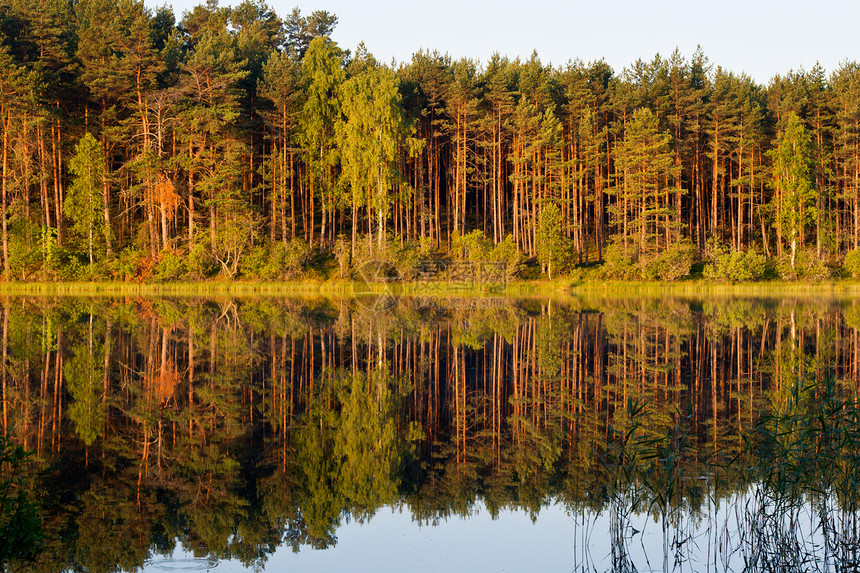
(759, 38)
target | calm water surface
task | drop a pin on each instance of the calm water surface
(412, 434)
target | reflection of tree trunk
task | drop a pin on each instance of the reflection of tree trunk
(5, 356)
(106, 379)
(190, 378)
(58, 393)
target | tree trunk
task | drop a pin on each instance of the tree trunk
(6, 272)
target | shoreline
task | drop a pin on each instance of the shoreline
(353, 289)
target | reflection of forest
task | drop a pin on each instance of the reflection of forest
(235, 427)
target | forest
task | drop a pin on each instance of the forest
(232, 142)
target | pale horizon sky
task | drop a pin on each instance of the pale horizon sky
(759, 38)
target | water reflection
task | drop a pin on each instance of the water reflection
(237, 428)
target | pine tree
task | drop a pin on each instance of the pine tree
(300, 30)
(845, 101)
(280, 85)
(645, 167)
(323, 72)
(424, 84)
(210, 108)
(499, 99)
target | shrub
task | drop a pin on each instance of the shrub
(343, 255)
(254, 263)
(25, 253)
(407, 260)
(617, 264)
(200, 264)
(739, 266)
(473, 246)
(851, 264)
(124, 266)
(170, 265)
(807, 266)
(671, 264)
(387, 261)
(492, 263)
(281, 261)
(508, 257)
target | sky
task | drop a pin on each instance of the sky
(758, 38)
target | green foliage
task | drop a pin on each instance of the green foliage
(83, 203)
(324, 74)
(233, 238)
(126, 264)
(851, 264)
(369, 137)
(500, 262)
(737, 266)
(201, 264)
(343, 255)
(474, 246)
(388, 260)
(169, 266)
(644, 167)
(506, 254)
(670, 264)
(278, 262)
(553, 247)
(69, 264)
(804, 265)
(20, 526)
(793, 180)
(25, 252)
(618, 262)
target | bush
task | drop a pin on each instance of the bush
(343, 255)
(200, 263)
(387, 261)
(617, 264)
(169, 266)
(508, 257)
(494, 263)
(25, 251)
(282, 261)
(124, 266)
(70, 265)
(671, 264)
(739, 266)
(851, 264)
(807, 266)
(407, 260)
(473, 247)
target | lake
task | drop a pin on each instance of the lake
(386, 433)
